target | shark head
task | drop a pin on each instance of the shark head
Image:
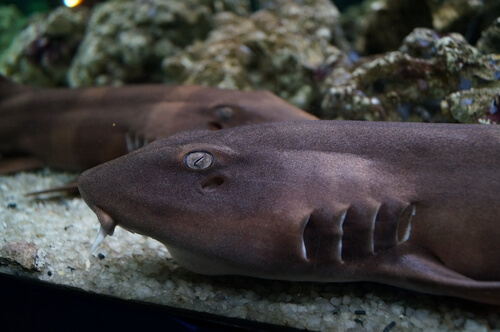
(214, 206)
(201, 108)
(227, 108)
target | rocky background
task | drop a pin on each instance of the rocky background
(433, 60)
(413, 60)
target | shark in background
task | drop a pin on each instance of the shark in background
(75, 129)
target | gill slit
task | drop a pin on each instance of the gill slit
(374, 220)
(341, 224)
(304, 250)
(407, 225)
(134, 141)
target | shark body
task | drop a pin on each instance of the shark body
(407, 204)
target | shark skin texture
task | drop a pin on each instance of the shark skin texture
(75, 129)
(412, 205)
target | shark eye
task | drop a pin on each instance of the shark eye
(224, 112)
(198, 159)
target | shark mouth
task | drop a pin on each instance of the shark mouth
(107, 227)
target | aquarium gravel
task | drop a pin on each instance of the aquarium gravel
(57, 232)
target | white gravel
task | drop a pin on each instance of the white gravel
(131, 266)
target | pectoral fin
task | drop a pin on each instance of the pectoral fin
(415, 268)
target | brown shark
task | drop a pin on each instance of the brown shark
(407, 204)
(75, 129)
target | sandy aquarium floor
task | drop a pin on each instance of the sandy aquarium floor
(131, 266)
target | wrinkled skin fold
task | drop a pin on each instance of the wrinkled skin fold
(407, 204)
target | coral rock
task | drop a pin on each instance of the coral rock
(25, 254)
(42, 52)
(286, 48)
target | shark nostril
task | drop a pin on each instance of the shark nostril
(211, 184)
(214, 126)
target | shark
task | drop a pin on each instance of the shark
(74, 129)
(412, 205)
